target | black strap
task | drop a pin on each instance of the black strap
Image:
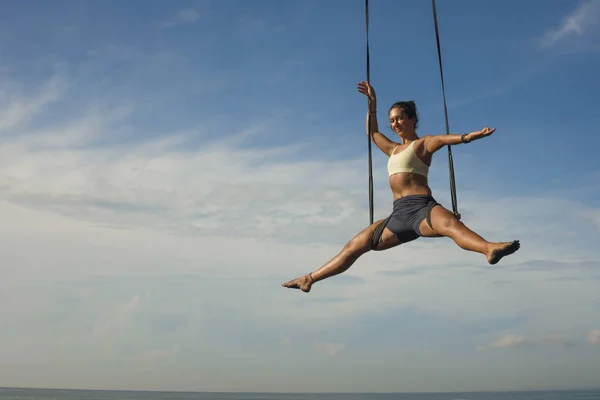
(450, 161)
(369, 120)
(378, 232)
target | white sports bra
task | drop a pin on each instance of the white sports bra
(407, 161)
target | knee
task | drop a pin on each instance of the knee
(358, 245)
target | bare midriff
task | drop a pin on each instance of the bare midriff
(408, 184)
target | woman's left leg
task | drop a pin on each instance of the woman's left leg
(445, 223)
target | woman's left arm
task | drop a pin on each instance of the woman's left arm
(435, 142)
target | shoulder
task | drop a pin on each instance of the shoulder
(430, 143)
(425, 140)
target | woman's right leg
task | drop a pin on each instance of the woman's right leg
(446, 224)
(356, 247)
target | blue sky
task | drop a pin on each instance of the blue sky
(165, 166)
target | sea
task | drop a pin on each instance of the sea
(69, 394)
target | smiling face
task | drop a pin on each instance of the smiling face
(401, 120)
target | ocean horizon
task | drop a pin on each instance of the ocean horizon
(25, 393)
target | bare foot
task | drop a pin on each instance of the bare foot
(500, 250)
(303, 283)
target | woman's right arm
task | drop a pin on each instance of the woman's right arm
(380, 140)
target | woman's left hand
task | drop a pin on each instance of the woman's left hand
(480, 134)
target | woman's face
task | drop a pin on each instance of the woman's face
(399, 122)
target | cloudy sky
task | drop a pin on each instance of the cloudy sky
(165, 166)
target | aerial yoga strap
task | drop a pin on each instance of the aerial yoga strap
(450, 162)
(369, 121)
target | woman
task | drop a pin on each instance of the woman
(415, 213)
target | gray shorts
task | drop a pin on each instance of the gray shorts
(406, 217)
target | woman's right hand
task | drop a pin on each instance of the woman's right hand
(366, 89)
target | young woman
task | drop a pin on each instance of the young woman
(415, 212)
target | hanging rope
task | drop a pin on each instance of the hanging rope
(450, 162)
(369, 119)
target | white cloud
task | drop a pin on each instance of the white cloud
(182, 17)
(593, 337)
(513, 341)
(188, 15)
(331, 349)
(16, 109)
(594, 217)
(584, 20)
(509, 341)
(555, 339)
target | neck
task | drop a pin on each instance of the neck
(408, 137)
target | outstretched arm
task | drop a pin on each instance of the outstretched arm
(372, 127)
(435, 142)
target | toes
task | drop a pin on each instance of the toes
(513, 246)
(298, 283)
(291, 284)
(506, 250)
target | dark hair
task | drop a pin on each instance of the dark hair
(410, 109)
